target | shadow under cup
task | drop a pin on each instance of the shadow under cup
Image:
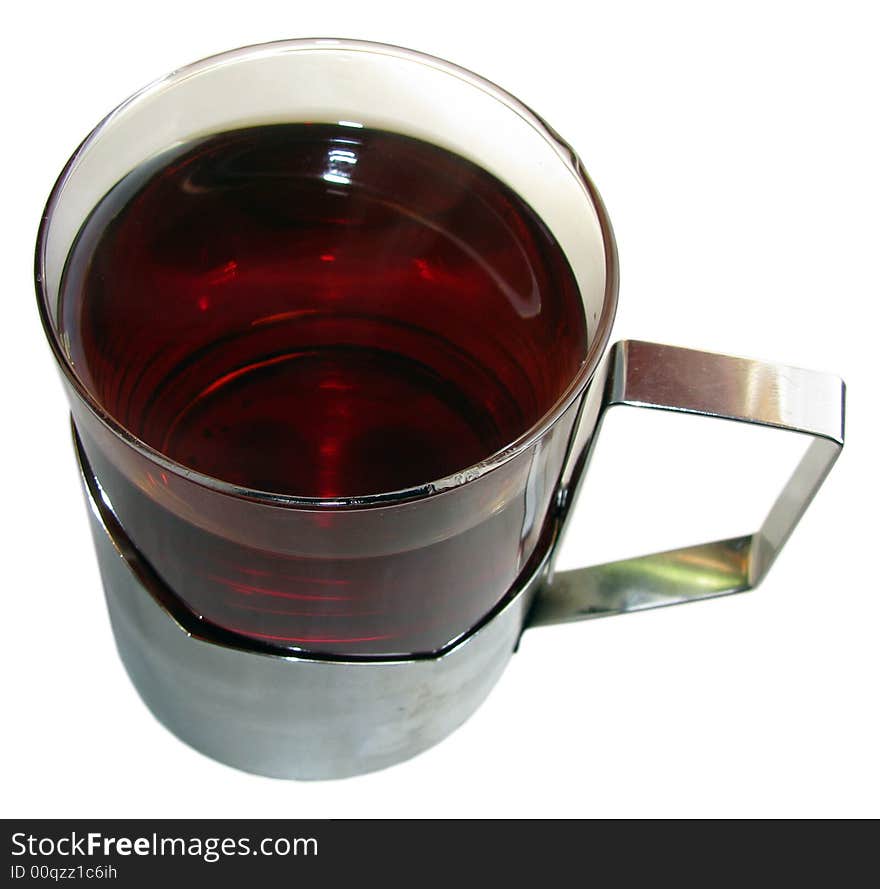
(324, 341)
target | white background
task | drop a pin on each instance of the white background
(737, 150)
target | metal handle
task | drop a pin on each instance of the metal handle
(638, 374)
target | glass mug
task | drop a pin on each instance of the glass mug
(330, 630)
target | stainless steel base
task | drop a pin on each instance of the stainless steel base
(291, 717)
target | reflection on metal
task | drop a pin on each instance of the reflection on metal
(637, 374)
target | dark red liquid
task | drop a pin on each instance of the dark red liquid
(320, 311)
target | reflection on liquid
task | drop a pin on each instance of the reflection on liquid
(339, 162)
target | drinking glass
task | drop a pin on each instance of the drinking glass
(407, 602)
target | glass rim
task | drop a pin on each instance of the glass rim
(567, 154)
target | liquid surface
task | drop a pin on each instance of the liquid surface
(325, 311)
(320, 310)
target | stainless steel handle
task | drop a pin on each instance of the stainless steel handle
(638, 374)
